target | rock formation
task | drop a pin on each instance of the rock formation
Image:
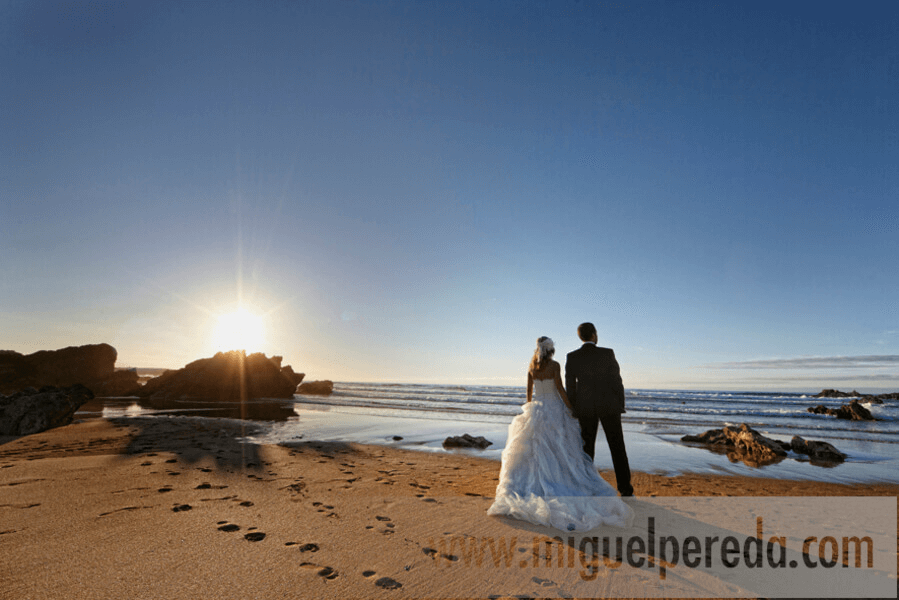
(31, 411)
(121, 383)
(92, 365)
(296, 378)
(816, 451)
(742, 443)
(228, 376)
(836, 394)
(853, 411)
(316, 388)
(466, 441)
(868, 398)
(745, 444)
(287, 370)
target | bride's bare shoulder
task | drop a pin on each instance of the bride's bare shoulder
(547, 372)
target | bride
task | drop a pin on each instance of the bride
(546, 477)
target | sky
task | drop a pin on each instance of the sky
(417, 191)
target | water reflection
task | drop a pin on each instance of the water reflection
(252, 410)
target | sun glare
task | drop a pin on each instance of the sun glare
(239, 330)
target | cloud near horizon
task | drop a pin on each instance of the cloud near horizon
(813, 362)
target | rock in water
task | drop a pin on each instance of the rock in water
(742, 443)
(817, 451)
(853, 411)
(31, 411)
(745, 444)
(836, 394)
(466, 441)
(316, 388)
(296, 378)
(873, 399)
(228, 376)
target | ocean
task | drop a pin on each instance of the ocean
(420, 417)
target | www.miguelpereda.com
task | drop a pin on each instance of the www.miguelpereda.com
(663, 552)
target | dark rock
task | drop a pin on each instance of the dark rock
(747, 445)
(853, 411)
(316, 388)
(742, 443)
(92, 365)
(867, 398)
(121, 383)
(31, 411)
(836, 394)
(227, 376)
(466, 441)
(817, 451)
(287, 371)
(296, 378)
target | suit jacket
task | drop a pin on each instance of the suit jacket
(593, 382)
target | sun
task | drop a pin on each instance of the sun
(240, 330)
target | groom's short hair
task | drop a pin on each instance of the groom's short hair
(586, 331)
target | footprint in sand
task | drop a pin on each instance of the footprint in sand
(543, 582)
(388, 584)
(165, 489)
(256, 536)
(326, 572)
(309, 548)
(368, 573)
(229, 527)
(182, 508)
(433, 554)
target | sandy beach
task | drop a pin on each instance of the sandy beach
(179, 508)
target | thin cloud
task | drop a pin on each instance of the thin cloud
(869, 378)
(814, 362)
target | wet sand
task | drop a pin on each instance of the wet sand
(179, 508)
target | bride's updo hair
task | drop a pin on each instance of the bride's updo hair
(542, 355)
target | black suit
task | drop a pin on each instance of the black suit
(593, 383)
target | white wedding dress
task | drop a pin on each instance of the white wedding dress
(546, 477)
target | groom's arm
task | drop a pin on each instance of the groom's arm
(570, 380)
(617, 382)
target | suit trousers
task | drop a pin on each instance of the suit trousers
(611, 426)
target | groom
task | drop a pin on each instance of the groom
(593, 383)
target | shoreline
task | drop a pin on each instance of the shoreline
(184, 508)
(650, 450)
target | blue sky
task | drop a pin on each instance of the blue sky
(416, 191)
